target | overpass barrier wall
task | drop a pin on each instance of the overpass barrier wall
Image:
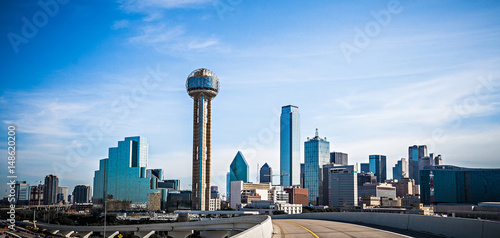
(440, 226)
(262, 230)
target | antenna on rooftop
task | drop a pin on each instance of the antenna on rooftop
(317, 134)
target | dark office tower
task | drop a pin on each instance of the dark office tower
(378, 167)
(365, 167)
(214, 192)
(302, 174)
(366, 178)
(50, 189)
(82, 194)
(266, 174)
(316, 154)
(414, 154)
(338, 158)
(202, 85)
(289, 146)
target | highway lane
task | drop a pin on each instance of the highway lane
(304, 228)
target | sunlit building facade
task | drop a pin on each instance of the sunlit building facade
(316, 154)
(289, 146)
(378, 166)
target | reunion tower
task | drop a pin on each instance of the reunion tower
(202, 85)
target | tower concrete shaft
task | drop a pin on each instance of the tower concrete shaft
(202, 133)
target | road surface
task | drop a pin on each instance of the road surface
(304, 228)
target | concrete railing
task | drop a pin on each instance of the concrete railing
(441, 226)
(261, 230)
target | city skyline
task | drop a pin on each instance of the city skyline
(429, 77)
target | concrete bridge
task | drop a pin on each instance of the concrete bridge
(217, 228)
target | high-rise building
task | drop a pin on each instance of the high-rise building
(62, 194)
(239, 169)
(36, 194)
(325, 197)
(453, 184)
(344, 188)
(302, 174)
(366, 178)
(122, 176)
(22, 194)
(155, 173)
(365, 167)
(172, 184)
(339, 158)
(289, 146)
(316, 154)
(414, 154)
(214, 192)
(377, 190)
(82, 194)
(298, 196)
(50, 189)
(266, 174)
(378, 167)
(400, 170)
(202, 85)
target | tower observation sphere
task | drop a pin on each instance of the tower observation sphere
(202, 85)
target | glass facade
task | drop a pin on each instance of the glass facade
(316, 154)
(123, 174)
(365, 167)
(339, 158)
(239, 170)
(289, 146)
(378, 167)
(454, 184)
(400, 169)
(266, 174)
(50, 189)
(414, 154)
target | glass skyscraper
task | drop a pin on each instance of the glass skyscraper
(123, 174)
(50, 189)
(289, 146)
(266, 174)
(378, 167)
(414, 154)
(400, 169)
(453, 184)
(316, 154)
(239, 170)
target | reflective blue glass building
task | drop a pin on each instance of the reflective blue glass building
(289, 146)
(453, 184)
(316, 154)
(378, 167)
(123, 174)
(400, 169)
(266, 174)
(239, 170)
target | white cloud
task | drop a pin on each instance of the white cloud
(120, 24)
(143, 5)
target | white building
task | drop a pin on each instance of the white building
(62, 194)
(244, 193)
(214, 204)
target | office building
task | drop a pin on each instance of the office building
(325, 198)
(278, 194)
(438, 160)
(344, 188)
(453, 184)
(82, 194)
(414, 154)
(22, 193)
(316, 154)
(214, 192)
(377, 190)
(202, 85)
(339, 158)
(122, 176)
(400, 170)
(50, 189)
(298, 196)
(366, 178)
(405, 187)
(155, 173)
(214, 204)
(171, 184)
(364, 167)
(238, 170)
(244, 193)
(62, 194)
(378, 167)
(266, 174)
(302, 174)
(289, 146)
(36, 194)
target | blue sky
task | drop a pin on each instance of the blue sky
(373, 76)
